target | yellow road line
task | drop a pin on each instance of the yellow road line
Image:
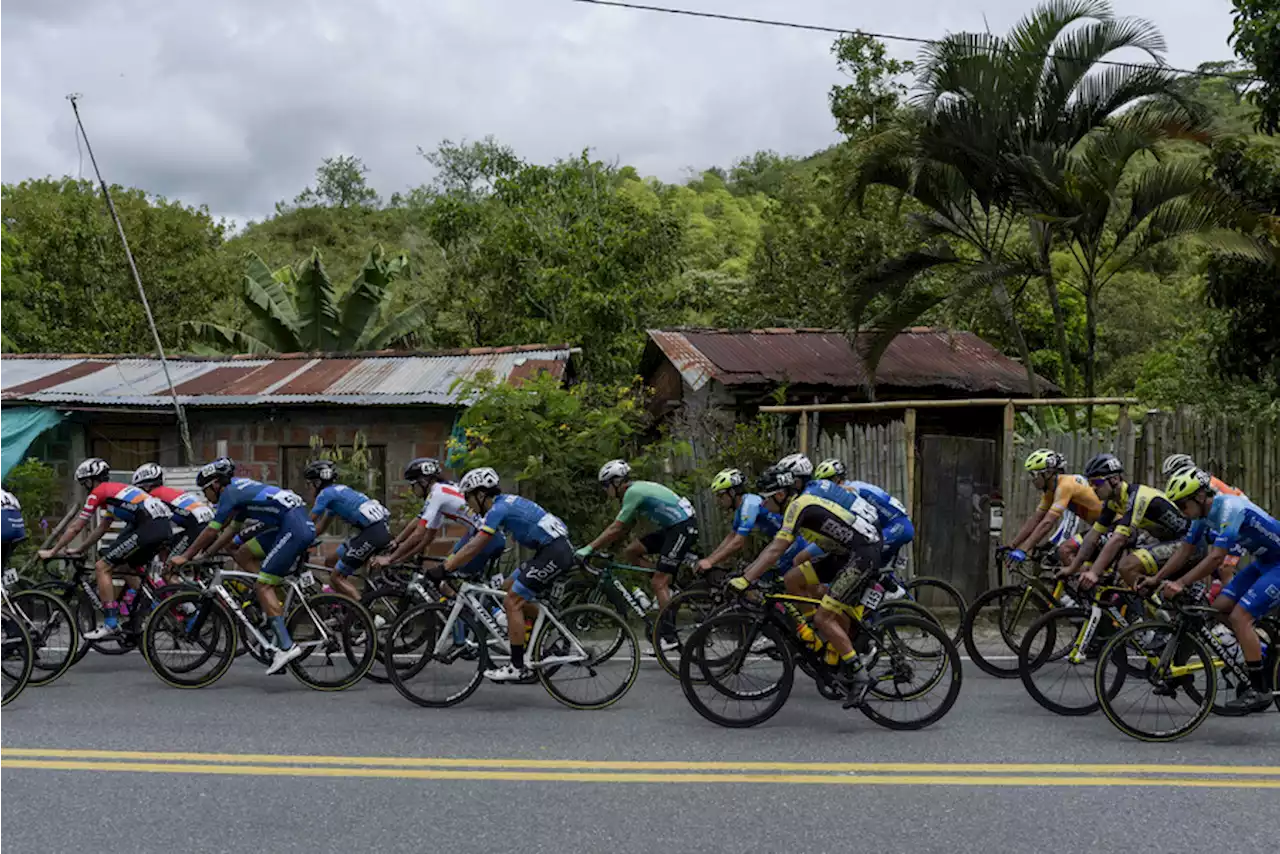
(10, 753)
(588, 777)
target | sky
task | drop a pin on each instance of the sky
(232, 104)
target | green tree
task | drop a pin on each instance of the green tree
(340, 183)
(470, 170)
(876, 90)
(1256, 34)
(296, 309)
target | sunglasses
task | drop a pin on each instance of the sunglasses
(1097, 481)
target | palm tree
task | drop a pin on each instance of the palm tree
(295, 309)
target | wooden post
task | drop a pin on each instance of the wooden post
(909, 439)
(804, 431)
(1006, 478)
(1125, 439)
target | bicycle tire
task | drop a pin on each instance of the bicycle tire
(1062, 625)
(948, 658)
(16, 659)
(607, 653)
(433, 617)
(189, 628)
(352, 639)
(700, 604)
(86, 614)
(66, 591)
(1007, 646)
(695, 674)
(387, 602)
(941, 598)
(51, 618)
(1189, 645)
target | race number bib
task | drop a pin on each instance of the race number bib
(553, 526)
(10, 577)
(897, 505)
(373, 511)
(202, 513)
(306, 579)
(686, 506)
(287, 499)
(156, 509)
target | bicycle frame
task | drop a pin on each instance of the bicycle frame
(471, 597)
(216, 588)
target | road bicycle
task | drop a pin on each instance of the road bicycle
(50, 626)
(16, 656)
(995, 622)
(570, 652)
(191, 641)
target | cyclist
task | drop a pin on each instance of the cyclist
(13, 529)
(1175, 463)
(286, 535)
(366, 515)
(190, 511)
(849, 536)
(896, 529)
(530, 526)
(751, 512)
(1064, 499)
(676, 528)
(1139, 517)
(147, 530)
(1229, 521)
(443, 503)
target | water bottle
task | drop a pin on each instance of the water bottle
(641, 599)
(1068, 601)
(127, 600)
(500, 616)
(1229, 643)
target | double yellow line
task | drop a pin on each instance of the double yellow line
(657, 771)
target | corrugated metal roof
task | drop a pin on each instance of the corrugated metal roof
(919, 357)
(353, 379)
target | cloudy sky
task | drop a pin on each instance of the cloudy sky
(233, 103)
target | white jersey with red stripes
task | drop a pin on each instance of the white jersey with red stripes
(446, 504)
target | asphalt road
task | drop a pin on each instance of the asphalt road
(113, 759)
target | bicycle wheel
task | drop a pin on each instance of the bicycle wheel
(338, 636)
(189, 640)
(913, 660)
(52, 630)
(87, 619)
(943, 600)
(1169, 699)
(423, 672)
(995, 624)
(609, 669)
(724, 681)
(681, 615)
(17, 658)
(385, 604)
(1056, 671)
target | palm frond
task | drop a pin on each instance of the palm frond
(408, 326)
(317, 309)
(365, 299)
(224, 339)
(269, 302)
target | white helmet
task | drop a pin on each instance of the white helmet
(614, 470)
(482, 478)
(798, 464)
(148, 473)
(92, 468)
(1175, 463)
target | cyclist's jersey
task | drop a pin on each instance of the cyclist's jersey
(188, 508)
(12, 526)
(1071, 492)
(125, 502)
(526, 522)
(1223, 488)
(244, 498)
(752, 515)
(828, 525)
(850, 501)
(655, 502)
(888, 508)
(1113, 508)
(1151, 511)
(446, 504)
(349, 505)
(1236, 521)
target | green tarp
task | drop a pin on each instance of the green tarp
(19, 427)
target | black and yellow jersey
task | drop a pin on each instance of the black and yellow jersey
(1113, 509)
(827, 525)
(1151, 511)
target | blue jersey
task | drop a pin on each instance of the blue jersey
(888, 508)
(12, 526)
(526, 522)
(248, 499)
(752, 515)
(349, 505)
(1233, 521)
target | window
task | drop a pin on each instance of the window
(294, 459)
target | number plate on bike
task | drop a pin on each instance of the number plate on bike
(306, 579)
(872, 598)
(10, 577)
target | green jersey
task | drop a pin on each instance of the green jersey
(656, 503)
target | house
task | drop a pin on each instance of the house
(263, 411)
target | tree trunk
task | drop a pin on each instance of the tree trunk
(1060, 333)
(1005, 303)
(1091, 338)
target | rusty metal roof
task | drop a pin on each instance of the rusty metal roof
(355, 379)
(920, 357)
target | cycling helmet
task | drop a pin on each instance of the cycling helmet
(1103, 465)
(798, 464)
(1186, 483)
(92, 469)
(323, 471)
(728, 479)
(614, 470)
(774, 479)
(422, 468)
(482, 478)
(1044, 459)
(1175, 463)
(148, 474)
(218, 471)
(830, 469)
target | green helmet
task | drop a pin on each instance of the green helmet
(829, 469)
(1044, 459)
(1185, 484)
(728, 479)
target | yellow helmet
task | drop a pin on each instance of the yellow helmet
(728, 479)
(1045, 459)
(1185, 484)
(829, 469)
